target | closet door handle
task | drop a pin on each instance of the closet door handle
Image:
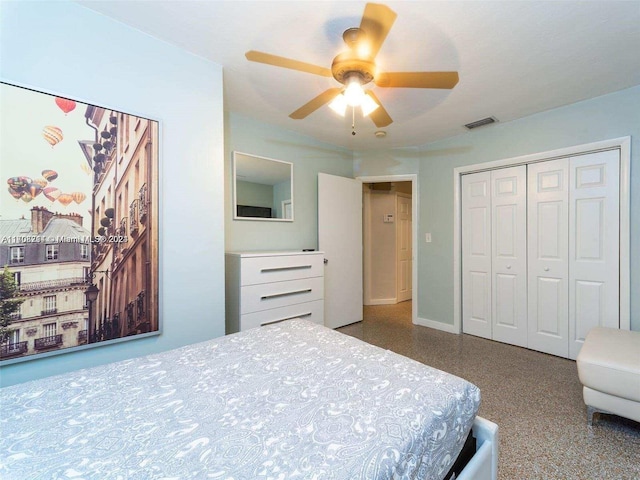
(508, 267)
(546, 269)
(284, 294)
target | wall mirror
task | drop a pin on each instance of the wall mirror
(262, 188)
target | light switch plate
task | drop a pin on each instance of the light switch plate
(427, 237)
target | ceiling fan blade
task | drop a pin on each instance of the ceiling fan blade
(284, 62)
(310, 107)
(417, 79)
(376, 22)
(379, 116)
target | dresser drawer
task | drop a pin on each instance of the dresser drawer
(254, 298)
(279, 268)
(313, 311)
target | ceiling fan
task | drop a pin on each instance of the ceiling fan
(355, 68)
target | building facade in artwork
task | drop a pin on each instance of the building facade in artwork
(49, 256)
(122, 157)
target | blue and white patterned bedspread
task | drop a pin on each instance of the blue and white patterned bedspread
(290, 400)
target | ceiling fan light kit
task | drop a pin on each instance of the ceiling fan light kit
(356, 67)
(368, 105)
(353, 96)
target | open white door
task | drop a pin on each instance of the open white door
(340, 238)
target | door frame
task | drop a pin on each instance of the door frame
(413, 178)
(622, 143)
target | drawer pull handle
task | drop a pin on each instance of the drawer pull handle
(302, 315)
(279, 269)
(275, 295)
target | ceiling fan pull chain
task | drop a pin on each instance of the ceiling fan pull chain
(353, 120)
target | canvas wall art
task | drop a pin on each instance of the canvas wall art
(78, 225)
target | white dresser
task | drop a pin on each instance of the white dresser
(268, 287)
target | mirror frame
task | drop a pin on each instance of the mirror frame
(235, 189)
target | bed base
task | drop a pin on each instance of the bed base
(484, 464)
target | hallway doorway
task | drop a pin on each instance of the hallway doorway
(388, 238)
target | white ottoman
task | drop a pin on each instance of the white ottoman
(609, 370)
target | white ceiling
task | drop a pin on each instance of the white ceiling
(515, 58)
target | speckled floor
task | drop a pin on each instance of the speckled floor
(536, 400)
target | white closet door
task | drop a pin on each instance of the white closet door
(548, 184)
(594, 245)
(509, 247)
(476, 254)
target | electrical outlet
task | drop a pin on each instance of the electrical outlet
(427, 237)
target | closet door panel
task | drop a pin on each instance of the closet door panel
(589, 309)
(506, 293)
(594, 237)
(509, 255)
(547, 208)
(476, 254)
(550, 304)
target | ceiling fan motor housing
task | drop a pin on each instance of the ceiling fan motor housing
(347, 64)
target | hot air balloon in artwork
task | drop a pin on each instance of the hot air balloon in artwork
(78, 197)
(52, 193)
(14, 194)
(19, 183)
(13, 185)
(34, 190)
(41, 181)
(65, 104)
(50, 175)
(53, 135)
(26, 197)
(65, 199)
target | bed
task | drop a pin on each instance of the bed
(289, 400)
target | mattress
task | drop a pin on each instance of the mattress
(289, 400)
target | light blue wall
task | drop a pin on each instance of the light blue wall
(67, 49)
(610, 116)
(384, 161)
(308, 156)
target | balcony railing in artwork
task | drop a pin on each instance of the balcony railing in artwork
(122, 230)
(133, 217)
(48, 284)
(144, 199)
(136, 314)
(82, 337)
(48, 342)
(106, 330)
(140, 305)
(131, 322)
(13, 349)
(49, 311)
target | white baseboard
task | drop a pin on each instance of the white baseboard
(445, 327)
(381, 301)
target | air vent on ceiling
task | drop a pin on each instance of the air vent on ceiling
(480, 123)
